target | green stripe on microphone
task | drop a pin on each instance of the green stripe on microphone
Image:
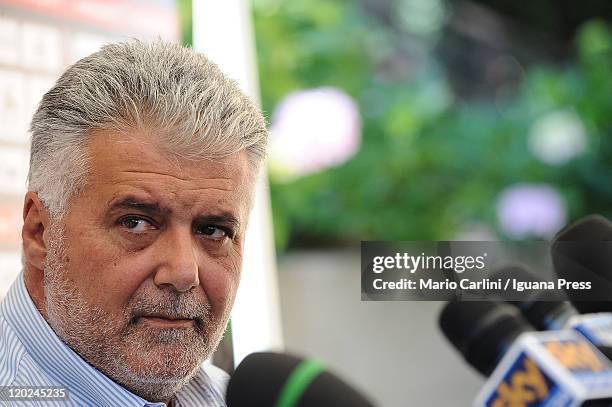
(298, 382)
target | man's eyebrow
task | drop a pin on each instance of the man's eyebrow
(224, 218)
(131, 203)
(134, 203)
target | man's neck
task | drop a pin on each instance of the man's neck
(34, 282)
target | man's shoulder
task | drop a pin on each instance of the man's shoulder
(207, 387)
(12, 352)
(217, 376)
(17, 367)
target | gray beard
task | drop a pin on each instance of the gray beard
(152, 363)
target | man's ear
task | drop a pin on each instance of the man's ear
(35, 230)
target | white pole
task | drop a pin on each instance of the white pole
(223, 31)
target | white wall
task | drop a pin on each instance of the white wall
(392, 351)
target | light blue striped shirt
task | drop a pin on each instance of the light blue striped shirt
(31, 354)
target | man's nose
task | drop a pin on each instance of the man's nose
(177, 263)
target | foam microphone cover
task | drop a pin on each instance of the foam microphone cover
(582, 252)
(261, 377)
(539, 307)
(482, 331)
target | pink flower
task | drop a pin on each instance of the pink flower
(313, 130)
(531, 210)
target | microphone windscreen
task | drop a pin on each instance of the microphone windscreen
(482, 331)
(542, 308)
(582, 252)
(266, 379)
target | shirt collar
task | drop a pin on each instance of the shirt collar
(57, 359)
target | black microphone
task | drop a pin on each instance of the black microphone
(482, 331)
(266, 379)
(544, 309)
(582, 254)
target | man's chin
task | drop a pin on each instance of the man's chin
(157, 374)
(172, 353)
(164, 353)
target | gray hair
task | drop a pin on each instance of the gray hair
(131, 86)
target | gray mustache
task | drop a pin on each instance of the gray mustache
(171, 306)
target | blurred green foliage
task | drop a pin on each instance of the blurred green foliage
(430, 162)
(186, 22)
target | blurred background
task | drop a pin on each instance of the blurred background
(390, 120)
(428, 119)
(422, 120)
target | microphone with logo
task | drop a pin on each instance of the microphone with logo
(582, 254)
(266, 379)
(544, 313)
(545, 369)
(582, 257)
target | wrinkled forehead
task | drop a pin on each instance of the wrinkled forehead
(124, 163)
(142, 150)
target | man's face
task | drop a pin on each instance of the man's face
(141, 273)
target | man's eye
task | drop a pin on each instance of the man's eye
(136, 225)
(212, 232)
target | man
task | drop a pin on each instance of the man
(143, 164)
